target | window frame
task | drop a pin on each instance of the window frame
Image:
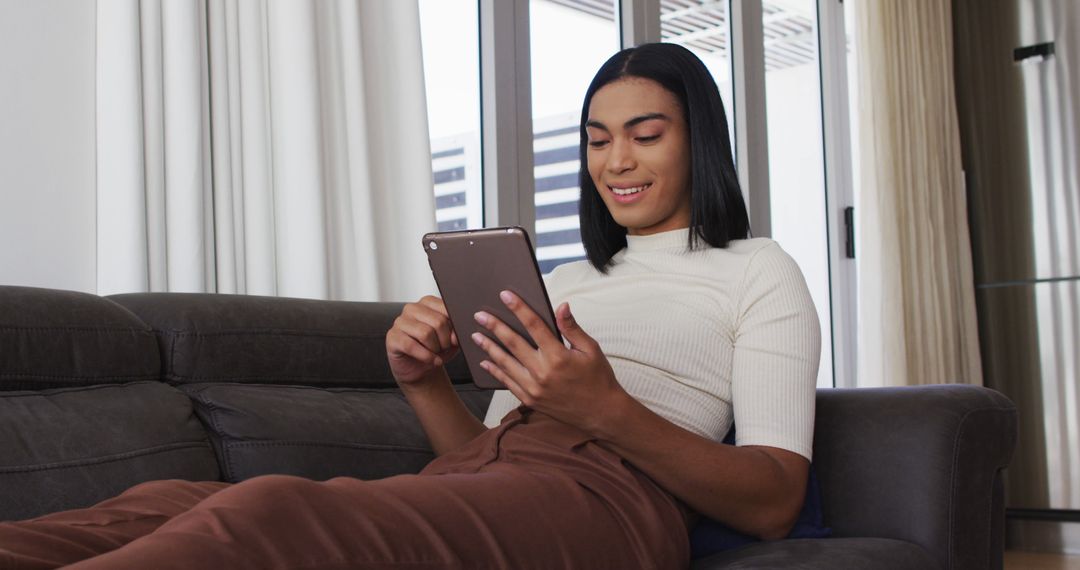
(507, 133)
(839, 189)
(506, 115)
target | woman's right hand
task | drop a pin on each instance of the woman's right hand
(421, 341)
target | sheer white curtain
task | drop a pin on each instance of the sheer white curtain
(264, 147)
(916, 290)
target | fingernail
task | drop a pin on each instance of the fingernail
(506, 297)
(478, 338)
(481, 317)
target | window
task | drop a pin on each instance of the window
(808, 165)
(702, 27)
(852, 88)
(796, 157)
(450, 38)
(570, 40)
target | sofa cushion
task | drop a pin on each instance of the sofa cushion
(318, 433)
(272, 340)
(823, 554)
(51, 339)
(73, 447)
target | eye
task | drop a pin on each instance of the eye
(647, 139)
(597, 144)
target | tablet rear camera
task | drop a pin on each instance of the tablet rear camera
(433, 245)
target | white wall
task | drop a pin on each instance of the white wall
(47, 188)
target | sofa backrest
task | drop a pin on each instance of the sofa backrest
(82, 413)
(99, 394)
(60, 339)
(293, 386)
(271, 340)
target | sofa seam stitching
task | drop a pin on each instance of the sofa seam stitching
(268, 332)
(73, 389)
(232, 442)
(99, 377)
(171, 371)
(77, 329)
(179, 377)
(388, 389)
(225, 449)
(103, 460)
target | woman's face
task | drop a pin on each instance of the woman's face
(639, 155)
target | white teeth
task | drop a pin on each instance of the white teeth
(628, 191)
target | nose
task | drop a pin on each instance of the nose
(621, 158)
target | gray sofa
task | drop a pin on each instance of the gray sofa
(99, 394)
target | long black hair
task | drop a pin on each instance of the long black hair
(717, 210)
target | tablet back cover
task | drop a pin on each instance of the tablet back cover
(471, 267)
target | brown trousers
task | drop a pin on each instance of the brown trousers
(531, 493)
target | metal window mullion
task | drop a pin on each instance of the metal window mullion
(639, 22)
(506, 115)
(839, 190)
(751, 133)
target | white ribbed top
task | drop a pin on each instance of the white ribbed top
(702, 337)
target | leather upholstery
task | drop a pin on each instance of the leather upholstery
(917, 464)
(73, 447)
(821, 554)
(156, 386)
(271, 340)
(318, 433)
(53, 339)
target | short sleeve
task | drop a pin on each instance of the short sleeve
(777, 348)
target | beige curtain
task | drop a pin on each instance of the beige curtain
(269, 147)
(916, 290)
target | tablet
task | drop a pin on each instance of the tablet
(471, 267)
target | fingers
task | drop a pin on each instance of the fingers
(515, 344)
(437, 304)
(572, 332)
(509, 366)
(413, 336)
(401, 346)
(516, 389)
(537, 328)
(432, 312)
(424, 335)
(562, 314)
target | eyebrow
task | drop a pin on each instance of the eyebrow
(629, 124)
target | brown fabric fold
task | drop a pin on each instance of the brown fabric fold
(530, 493)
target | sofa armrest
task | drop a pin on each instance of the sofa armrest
(921, 464)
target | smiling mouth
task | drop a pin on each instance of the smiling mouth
(629, 189)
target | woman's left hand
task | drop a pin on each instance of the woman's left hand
(568, 384)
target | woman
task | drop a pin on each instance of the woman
(603, 450)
